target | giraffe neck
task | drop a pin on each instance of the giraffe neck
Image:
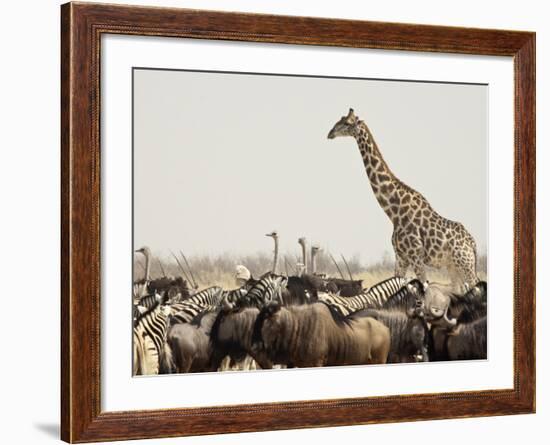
(384, 183)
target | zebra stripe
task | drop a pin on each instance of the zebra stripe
(264, 291)
(373, 298)
(206, 299)
(385, 289)
(148, 301)
(231, 297)
(152, 324)
(407, 297)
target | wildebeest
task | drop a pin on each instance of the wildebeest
(437, 299)
(301, 290)
(231, 335)
(445, 309)
(468, 341)
(345, 288)
(314, 335)
(190, 344)
(175, 289)
(409, 334)
(470, 306)
(469, 311)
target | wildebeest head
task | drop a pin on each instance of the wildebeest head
(268, 323)
(416, 288)
(480, 290)
(419, 334)
(345, 126)
(266, 313)
(437, 299)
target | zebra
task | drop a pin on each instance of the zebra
(407, 298)
(268, 288)
(231, 297)
(207, 299)
(149, 339)
(145, 303)
(385, 289)
(372, 298)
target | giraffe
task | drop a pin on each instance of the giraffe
(421, 237)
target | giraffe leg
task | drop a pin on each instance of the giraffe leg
(419, 269)
(415, 257)
(401, 260)
(456, 278)
(464, 260)
(401, 266)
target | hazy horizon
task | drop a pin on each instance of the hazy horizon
(222, 159)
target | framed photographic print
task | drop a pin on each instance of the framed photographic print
(274, 222)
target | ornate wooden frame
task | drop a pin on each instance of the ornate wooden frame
(81, 28)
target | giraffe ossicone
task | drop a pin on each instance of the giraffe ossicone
(421, 237)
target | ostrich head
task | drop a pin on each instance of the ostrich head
(273, 234)
(346, 126)
(145, 251)
(302, 241)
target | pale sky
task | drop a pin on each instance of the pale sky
(222, 159)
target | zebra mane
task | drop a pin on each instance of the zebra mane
(147, 312)
(404, 297)
(383, 283)
(338, 317)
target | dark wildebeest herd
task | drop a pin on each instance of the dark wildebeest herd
(279, 321)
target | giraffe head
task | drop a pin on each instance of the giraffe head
(345, 126)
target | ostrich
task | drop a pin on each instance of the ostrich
(314, 251)
(302, 242)
(146, 252)
(275, 237)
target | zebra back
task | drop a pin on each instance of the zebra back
(232, 297)
(207, 299)
(381, 292)
(373, 298)
(345, 305)
(265, 290)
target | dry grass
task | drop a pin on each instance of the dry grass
(220, 270)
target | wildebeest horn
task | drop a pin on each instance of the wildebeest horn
(450, 323)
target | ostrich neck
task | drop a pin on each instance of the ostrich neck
(304, 256)
(275, 255)
(147, 266)
(384, 183)
(313, 262)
